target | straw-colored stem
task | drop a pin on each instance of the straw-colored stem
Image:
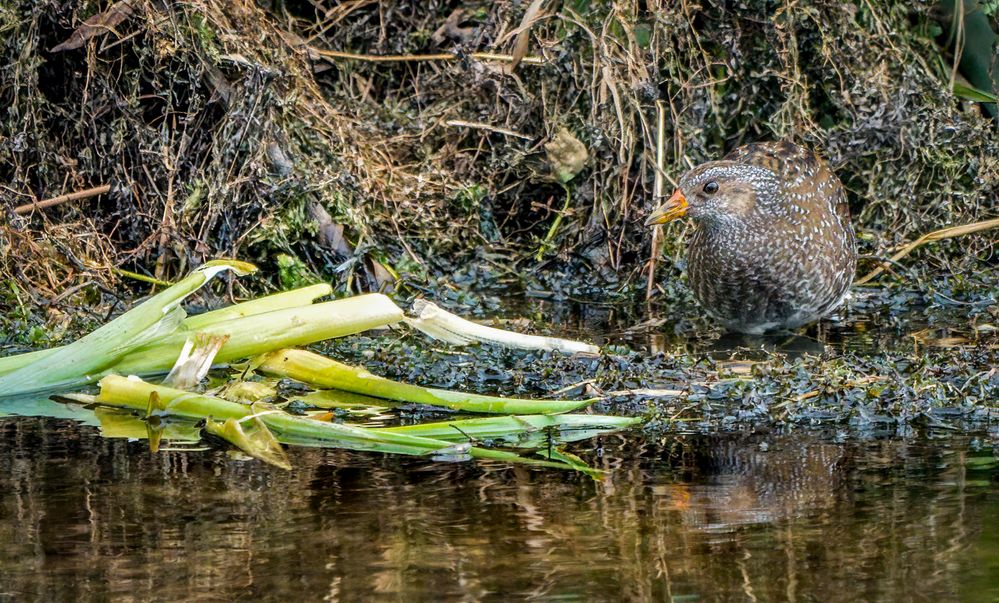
(415, 58)
(657, 192)
(936, 235)
(84, 194)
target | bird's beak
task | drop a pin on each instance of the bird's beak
(675, 207)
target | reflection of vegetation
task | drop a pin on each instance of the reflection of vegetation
(250, 426)
(981, 565)
(714, 516)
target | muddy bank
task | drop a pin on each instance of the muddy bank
(265, 132)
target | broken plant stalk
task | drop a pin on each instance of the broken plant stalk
(261, 333)
(285, 299)
(565, 428)
(134, 393)
(936, 235)
(73, 364)
(320, 371)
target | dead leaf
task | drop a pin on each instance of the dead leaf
(252, 436)
(330, 233)
(195, 360)
(219, 83)
(382, 276)
(100, 23)
(452, 30)
(567, 155)
(279, 159)
(524, 37)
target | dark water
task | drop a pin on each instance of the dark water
(766, 517)
(798, 515)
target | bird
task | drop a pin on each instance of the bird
(773, 247)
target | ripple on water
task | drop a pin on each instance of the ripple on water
(723, 516)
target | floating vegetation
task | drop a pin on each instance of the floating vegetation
(157, 336)
(902, 357)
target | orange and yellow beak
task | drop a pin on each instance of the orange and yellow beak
(675, 207)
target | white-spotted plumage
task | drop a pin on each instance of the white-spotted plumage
(773, 247)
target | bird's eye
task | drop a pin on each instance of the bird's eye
(711, 187)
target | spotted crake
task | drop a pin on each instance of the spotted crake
(773, 246)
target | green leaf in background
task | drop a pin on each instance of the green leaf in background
(970, 34)
(974, 94)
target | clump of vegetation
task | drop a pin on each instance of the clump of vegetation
(388, 145)
(157, 336)
(942, 382)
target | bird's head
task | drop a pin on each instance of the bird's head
(718, 191)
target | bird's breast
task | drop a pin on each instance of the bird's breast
(761, 274)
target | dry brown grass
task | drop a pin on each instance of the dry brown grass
(228, 129)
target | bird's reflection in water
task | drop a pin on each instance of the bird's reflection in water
(790, 344)
(731, 484)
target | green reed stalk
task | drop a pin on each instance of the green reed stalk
(327, 373)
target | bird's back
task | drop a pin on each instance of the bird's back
(799, 168)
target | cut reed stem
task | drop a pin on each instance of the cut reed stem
(324, 372)
(75, 364)
(262, 333)
(84, 194)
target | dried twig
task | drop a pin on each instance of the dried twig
(481, 126)
(99, 24)
(936, 235)
(657, 190)
(396, 58)
(85, 194)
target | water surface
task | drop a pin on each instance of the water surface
(799, 516)
(791, 514)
